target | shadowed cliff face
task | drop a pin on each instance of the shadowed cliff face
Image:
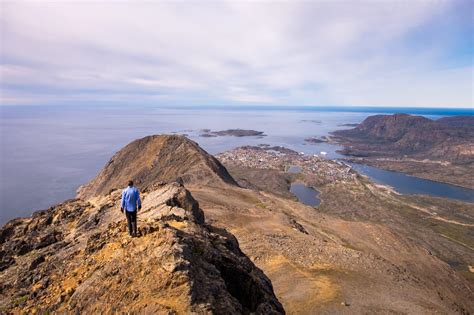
(77, 256)
(158, 158)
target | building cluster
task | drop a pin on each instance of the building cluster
(283, 159)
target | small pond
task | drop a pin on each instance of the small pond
(305, 194)
(294, 169)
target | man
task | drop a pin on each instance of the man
(130, 203)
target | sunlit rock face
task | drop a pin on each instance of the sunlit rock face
(155, 159)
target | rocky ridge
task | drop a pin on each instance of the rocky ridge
(78, 257)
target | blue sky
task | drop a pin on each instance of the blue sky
(311, 53)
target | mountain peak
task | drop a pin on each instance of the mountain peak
(156, 159)
(391, 127)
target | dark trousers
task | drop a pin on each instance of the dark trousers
(132, 222)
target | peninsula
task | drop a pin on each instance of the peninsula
(440, 150)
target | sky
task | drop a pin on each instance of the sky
(194, 53)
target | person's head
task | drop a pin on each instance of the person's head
(130, 183)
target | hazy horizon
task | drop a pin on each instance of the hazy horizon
(421, 110)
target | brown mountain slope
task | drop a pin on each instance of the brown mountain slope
(364, 250)
(158, 158)
(457, 121)
(77, 258)
(329, 263)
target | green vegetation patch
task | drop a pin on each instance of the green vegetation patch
(20, 300)
(261, 205)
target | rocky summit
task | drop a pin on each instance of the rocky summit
(78, 257)
(157, 158)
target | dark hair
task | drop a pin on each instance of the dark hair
(130, 183)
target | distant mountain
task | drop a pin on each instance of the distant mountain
(457, 121)
(441, 150)
(154, 159)
(449, 138)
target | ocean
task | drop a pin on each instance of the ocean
(48, 151)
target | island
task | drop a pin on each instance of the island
(311, 121)
(207, 135)
(317, 139)
(233, 133)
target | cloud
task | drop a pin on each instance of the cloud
(288, 53)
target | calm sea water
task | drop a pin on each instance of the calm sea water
(48, 151)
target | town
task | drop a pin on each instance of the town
(283, 159)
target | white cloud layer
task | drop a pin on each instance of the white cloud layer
(383, 53)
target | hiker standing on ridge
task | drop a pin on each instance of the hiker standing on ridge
(131, 203)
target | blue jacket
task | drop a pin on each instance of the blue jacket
(131, 199)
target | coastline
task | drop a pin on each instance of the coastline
(404, 170)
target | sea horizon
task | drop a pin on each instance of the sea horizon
(442, 111)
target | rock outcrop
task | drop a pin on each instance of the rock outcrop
(78, 257)
(157, 158)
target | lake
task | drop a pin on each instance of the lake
(294, 169)
(407, 184)
(305, 194)
(48, 151)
